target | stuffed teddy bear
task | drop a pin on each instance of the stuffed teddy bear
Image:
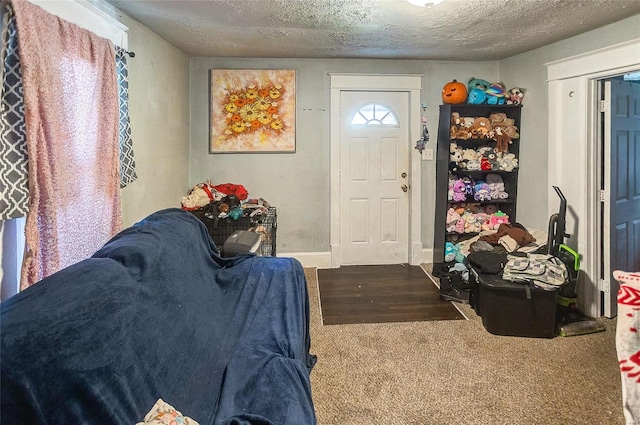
(496, 94)
(481, 191)
(512, 131)
(515, 96)
(508, 162)
(497, 119)
(481, 128)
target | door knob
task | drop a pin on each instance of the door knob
(404, 188)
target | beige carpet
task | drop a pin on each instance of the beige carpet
(456, 373)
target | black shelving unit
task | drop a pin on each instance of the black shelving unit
(443, 170)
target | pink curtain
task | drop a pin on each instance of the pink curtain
(71, 111)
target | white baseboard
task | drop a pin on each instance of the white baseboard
(322, 260)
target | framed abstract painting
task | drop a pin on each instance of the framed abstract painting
(252, 111)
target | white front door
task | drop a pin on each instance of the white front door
(374, 177)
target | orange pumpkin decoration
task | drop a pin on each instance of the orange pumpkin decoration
(454, 93)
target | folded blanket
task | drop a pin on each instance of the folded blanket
(517, 232)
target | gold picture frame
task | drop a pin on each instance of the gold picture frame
(252, 111)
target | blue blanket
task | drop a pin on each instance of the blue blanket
(157, 313)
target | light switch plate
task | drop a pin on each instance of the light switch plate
(427, 155)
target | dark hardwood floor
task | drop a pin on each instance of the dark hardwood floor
(380, 294)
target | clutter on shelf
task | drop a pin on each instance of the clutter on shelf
(225, 208)
(480, 92)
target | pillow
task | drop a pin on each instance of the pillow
(163, 413)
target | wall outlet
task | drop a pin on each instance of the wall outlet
(427, 155)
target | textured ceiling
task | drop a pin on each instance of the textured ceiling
(388, 29)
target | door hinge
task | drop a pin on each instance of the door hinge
(604, 286)
(603, 106)
(603, 195)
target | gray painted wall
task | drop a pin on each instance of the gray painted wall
(298, 184)
(169, 114)
(159, 113)
(529, 71)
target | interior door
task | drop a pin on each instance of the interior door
(622, 183)
(374, 177)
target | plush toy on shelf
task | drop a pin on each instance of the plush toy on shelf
(481, 128)
(508, 162)
(496, 186)
(515, 96)
(459, 191)
(496, 94)
(481, 191)
(453, 252)
(497, 219)
(478, 83)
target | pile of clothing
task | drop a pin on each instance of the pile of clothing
(227, 200)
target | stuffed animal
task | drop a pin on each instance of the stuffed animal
(496, 186)
(450, 189)
(477, 83)
(477, 97)
(497, 119)
(507, 162)
(453, 252)
(455, 155)
(502, 140)
(481, 191)
(512, 131)
(490, 209)
(515, 96)
(481, 128)
(496, 94)
(468, 185)
(497, 219)
(459, 191)
(449, 252)
(469, 154)
(473, 165)
(470, 223)
(488, 160)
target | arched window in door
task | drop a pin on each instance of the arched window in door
(375, 114)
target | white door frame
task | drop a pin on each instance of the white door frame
(411, 83)
(573, 133)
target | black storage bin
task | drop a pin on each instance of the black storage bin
(513, 308)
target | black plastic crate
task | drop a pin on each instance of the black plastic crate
(265, 224)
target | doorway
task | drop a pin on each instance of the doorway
(574, 156)
(620, 214)
(374, 166)
(382, 86)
